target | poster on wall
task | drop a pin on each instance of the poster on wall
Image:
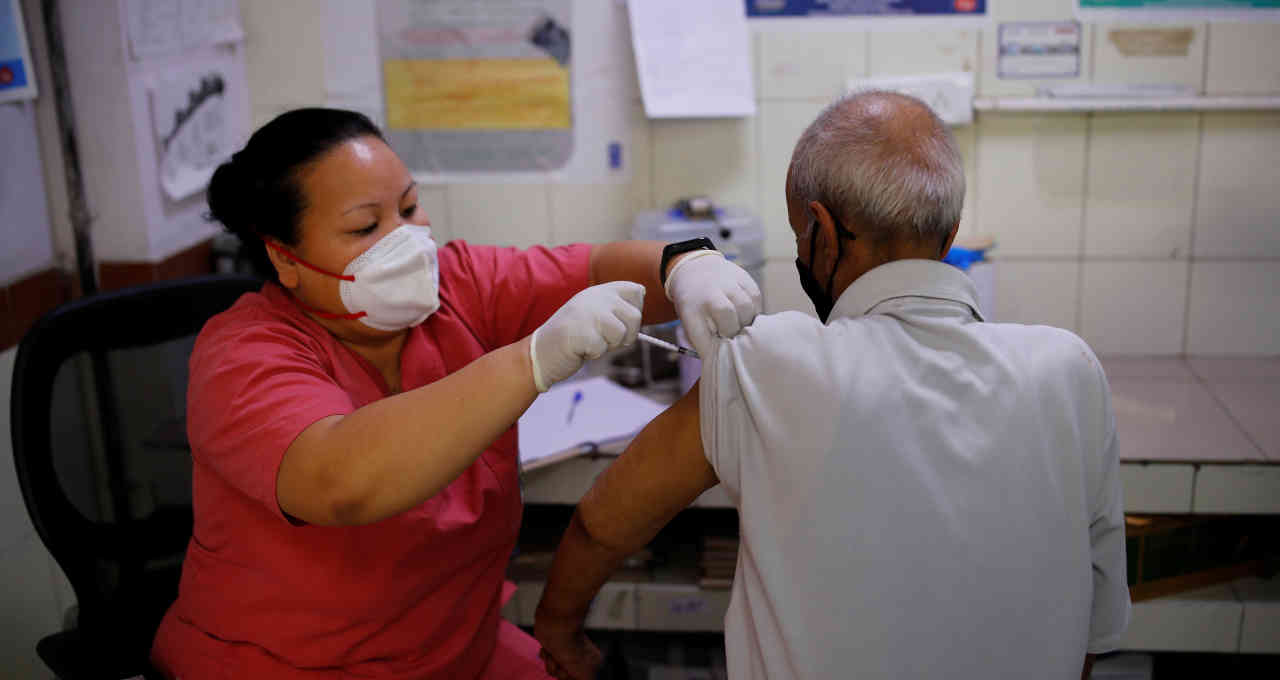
(478, 86)
(1039, 49)
(1153, 9)
(191, 121)
(161, 27)
(17, 75)
(764, 9)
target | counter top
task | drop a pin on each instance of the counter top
(1195, 436)
(1196, 411)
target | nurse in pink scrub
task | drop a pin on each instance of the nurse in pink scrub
(352, 424)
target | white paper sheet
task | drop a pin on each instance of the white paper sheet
(606, 412)
(210, 22)
(191, 124)
(693, 58)
(160, 27)
(155, 27)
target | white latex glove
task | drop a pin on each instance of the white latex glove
(713, 297)
(594, 321)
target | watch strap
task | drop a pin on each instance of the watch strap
(679, 248)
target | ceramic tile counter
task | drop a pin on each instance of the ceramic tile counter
(1196, 436)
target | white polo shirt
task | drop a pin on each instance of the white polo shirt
(922, 494)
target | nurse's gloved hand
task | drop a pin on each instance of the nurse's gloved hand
(594, 321)
(713, 297)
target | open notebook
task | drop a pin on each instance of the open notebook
(555, 428)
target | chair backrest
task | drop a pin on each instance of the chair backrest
(99, 443)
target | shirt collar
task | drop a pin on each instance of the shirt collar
(907, 278)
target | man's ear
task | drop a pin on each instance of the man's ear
(951, 238)
(286, 268)
(824, 224)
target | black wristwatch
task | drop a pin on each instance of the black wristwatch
(680, 248)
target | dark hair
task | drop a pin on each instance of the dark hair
(256, 194)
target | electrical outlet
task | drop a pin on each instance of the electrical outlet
(950, 95)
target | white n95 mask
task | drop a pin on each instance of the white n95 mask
(391, 286)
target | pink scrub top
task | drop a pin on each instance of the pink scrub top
(413, 596)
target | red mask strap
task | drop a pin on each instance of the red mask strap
(320, 313)
(308, 265)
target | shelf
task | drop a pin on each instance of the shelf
(1149, 488)
(1238, 617)
(1085, 104)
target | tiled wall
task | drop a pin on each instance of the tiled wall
(1146, 233)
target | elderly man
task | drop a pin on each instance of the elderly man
(921, 494)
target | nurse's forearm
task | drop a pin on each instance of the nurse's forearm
(395, 453)
(634, 261)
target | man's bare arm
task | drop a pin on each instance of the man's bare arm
(661, 473)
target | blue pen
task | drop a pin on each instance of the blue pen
(577, 399)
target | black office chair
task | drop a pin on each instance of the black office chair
(99, 442)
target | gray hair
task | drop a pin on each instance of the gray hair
(884, 164)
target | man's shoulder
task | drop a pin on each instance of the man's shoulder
(1049, 350)
(776, 335)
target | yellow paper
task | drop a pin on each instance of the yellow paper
(477, 94)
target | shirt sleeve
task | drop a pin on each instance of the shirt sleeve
(518, 290)
(1110, 616)
(254, 386)
(721, 415)
(749, 387)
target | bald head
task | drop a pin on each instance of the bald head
(884, 164)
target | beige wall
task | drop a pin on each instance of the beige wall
(1147, 233)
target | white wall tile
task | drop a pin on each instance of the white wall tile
(641, 160)
(1037, 293)
(27, 608)
(990, 84)
(967, 140)
(781, 124)
(284, 54)
(1243, 59)
(434, 200)
(1161, 488)
(500, 214)
(918, 52)
(1237, 205)
(1200, 621)
(716, 157)
(1260, 633)
(590, 213)
(1234, 308)
(1238, 489)
(782, 291)
(1129, 54)
(805, 64)
(1141, 184)
(1134, 307)
(1031, 182)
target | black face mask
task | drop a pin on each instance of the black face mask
(823, 302)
